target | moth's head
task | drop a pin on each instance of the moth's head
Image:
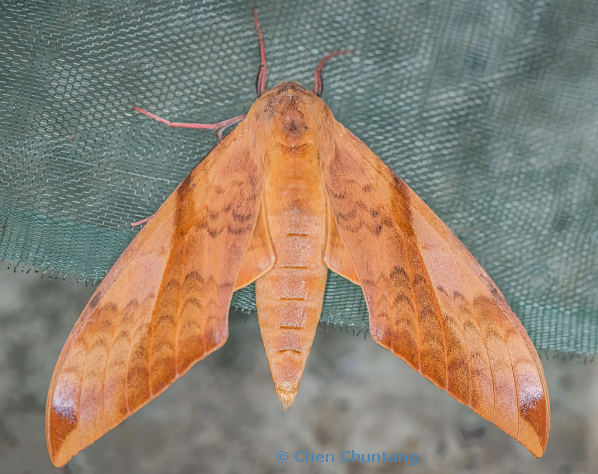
(289, 113)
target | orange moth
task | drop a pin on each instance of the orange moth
(287, 195)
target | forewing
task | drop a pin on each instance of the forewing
(430, 302)
(164, 304)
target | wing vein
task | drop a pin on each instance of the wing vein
(514, 385)
(483, 335)
(80, 386)
(413, 295)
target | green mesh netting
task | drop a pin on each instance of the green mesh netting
(488, 109)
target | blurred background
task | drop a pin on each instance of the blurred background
(224, 416)
(488, 109)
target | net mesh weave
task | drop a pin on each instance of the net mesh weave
(488, 109)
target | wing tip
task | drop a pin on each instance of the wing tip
(534, 444)
(534, 427)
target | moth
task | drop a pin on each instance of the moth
(285, 196)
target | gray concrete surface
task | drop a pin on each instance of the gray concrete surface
(224, 415)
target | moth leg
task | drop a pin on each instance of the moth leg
(219, 127)
(142, 221)
(318, 82)
(260, 80)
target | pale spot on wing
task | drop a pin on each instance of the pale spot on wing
(64, 406)
(530, 394)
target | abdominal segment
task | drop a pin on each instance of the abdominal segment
(289, 302)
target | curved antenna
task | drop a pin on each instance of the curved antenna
(260, 80)
(318, 82)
